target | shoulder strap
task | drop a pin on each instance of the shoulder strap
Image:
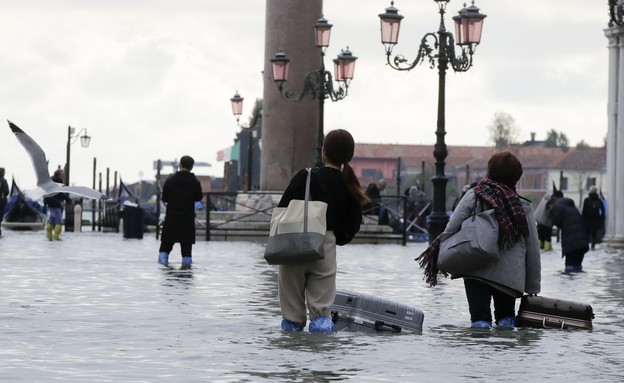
(307, 199)
(474, 208)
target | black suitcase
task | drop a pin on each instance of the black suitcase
(359, 312)
(545, 312)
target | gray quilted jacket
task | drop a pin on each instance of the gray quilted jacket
(518, 270)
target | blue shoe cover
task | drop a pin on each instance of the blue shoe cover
(163, 258)
(186, 261)
(571, 268)
(290, 326)
(507, 322)
(322, 324)
(481, 324)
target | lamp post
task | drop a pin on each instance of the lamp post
(318, 84)
(85, 140)
(237, 110)
(437, 46)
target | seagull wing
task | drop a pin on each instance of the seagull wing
(37, 155)
(84, 191)
(38, 158)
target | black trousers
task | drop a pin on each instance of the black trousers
(185, 248)
(574, 258)
(544, 233)
(593, 236)
(480, 295)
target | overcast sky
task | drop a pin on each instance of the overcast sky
(152, 79)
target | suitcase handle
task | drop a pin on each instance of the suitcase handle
(545, 320)
(379, 326)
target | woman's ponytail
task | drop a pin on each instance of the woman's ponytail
(349, 178)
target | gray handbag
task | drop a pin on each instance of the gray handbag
(473, 246)
(297, 232)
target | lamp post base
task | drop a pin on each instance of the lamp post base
(437, 224)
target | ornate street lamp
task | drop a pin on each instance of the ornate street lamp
(616, 12)
(237, 110)
(85, 140)
(318, 84)
(437, 46)
(237, 106)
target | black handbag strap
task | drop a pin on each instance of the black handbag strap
(474, 209)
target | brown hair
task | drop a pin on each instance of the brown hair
(338, 148)
(505, 168)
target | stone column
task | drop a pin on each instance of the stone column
(615, 140)
(289, 129)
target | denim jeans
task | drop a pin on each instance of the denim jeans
(479, 296)
(56, 216)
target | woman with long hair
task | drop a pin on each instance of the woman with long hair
(314, 282)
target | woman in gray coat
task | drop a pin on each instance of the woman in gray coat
(518, 269)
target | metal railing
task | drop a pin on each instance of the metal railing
(406, 217)
(229, 201)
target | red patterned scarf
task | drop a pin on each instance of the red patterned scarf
(512, 223)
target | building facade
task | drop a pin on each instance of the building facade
(573, 171)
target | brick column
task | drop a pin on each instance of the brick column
(289, 129)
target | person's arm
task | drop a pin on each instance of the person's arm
(5, 188)
(198, 191)
(165, 192)
(556, 213)
(351, 226)
(464, 210)
(585, 209)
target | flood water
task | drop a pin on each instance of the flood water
(98, 308)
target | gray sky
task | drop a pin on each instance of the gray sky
(152, 79)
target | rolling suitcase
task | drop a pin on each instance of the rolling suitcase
(359, 312)
(545, 312)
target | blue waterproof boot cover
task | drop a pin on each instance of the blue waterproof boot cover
(163, 258)
(290, 326)
(507, 322)
(322, 324)
(186, 261)
(481, 324)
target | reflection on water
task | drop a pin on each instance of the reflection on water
(96, 307)
(178, 277)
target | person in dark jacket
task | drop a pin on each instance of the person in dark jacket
(4, 194)
(593, 215)
(315, 282)
(180, 193)
(574, 239)
(55, 204)
(375, 207)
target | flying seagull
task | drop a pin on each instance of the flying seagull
(38, 158)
